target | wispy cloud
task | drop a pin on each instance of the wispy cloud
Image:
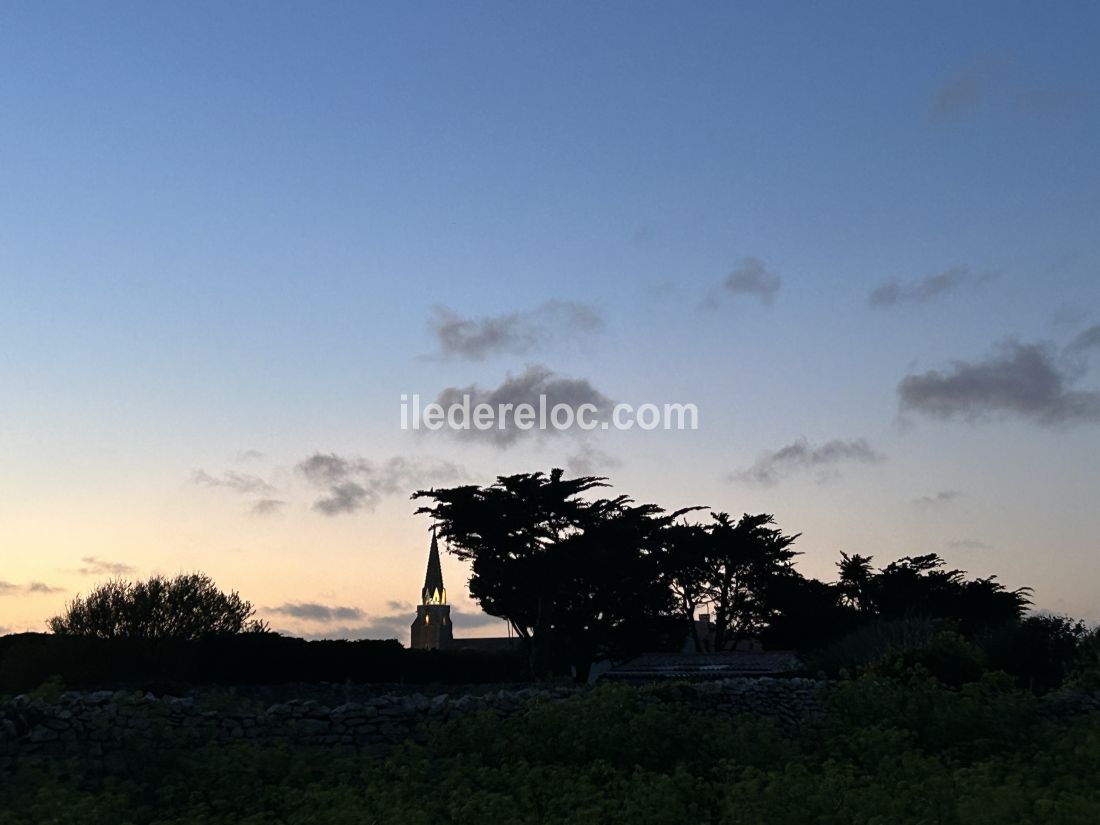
(968, 544)
(42, 587)
(1022, 380)
(923, 290)
(590, 460)
(964, 91)
(513, 333)
(939, 499)
(315, 612)
(267, 506)
(244, 483)
(753, 278)
(11, 589)
(1087, 340)
(525, 388)
(352, 484)
(801, 455)
(99, 567)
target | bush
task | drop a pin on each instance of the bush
(870, 644)
(189, 606)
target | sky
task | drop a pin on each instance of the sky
(862, 238)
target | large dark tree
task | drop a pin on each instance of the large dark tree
(188, 606)
(730, 567)
(576, 577)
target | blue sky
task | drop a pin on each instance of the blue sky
(224, 229)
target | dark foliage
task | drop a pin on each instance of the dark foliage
(188, 606)
(29, 659)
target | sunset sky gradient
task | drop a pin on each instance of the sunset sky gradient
(863, 238)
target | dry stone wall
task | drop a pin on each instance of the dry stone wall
(109, 726)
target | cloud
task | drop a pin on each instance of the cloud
(397, 606)
(800, 455)
(964, 91)
(99, 567)
(11, 589)
(1089, 339)
(968, 544)
(314, 612)
(514, 333)
(526, 388)
(752, 277)
(267, 506)
(354, 484)
(239, 482)
(1022, 380)
(589, 460)
(42, 587)
(245, 456)
(940, 498)
(923, 290)
(393, 626)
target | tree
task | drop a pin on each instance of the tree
(855, 578)
(730, 565)
(188, 606)
(574, 577)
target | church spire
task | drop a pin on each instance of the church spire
(434, 592)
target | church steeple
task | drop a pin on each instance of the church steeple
(433, 592)
(432, 627)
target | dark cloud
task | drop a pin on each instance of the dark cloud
(239, 482)
(99, 567)
(800, 455)
(1087, 340)
(397, 606)
(1022, 380)
(525, 388)
(245, 456)
(923, 290)
(940, 498)
(514, 333)
(267, 506)
(354, 484)
(314, 612)
(7, 588)
(752, 277)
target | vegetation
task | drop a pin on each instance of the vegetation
(188, 606)
(583, 579)
(172, 665)
(906, 749)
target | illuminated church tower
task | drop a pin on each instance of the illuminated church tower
(432, 626)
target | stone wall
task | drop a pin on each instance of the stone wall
(111, 726)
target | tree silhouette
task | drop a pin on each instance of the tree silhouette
(189, 606)
(576, 578)
(729, 566)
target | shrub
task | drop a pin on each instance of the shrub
(188, 606)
